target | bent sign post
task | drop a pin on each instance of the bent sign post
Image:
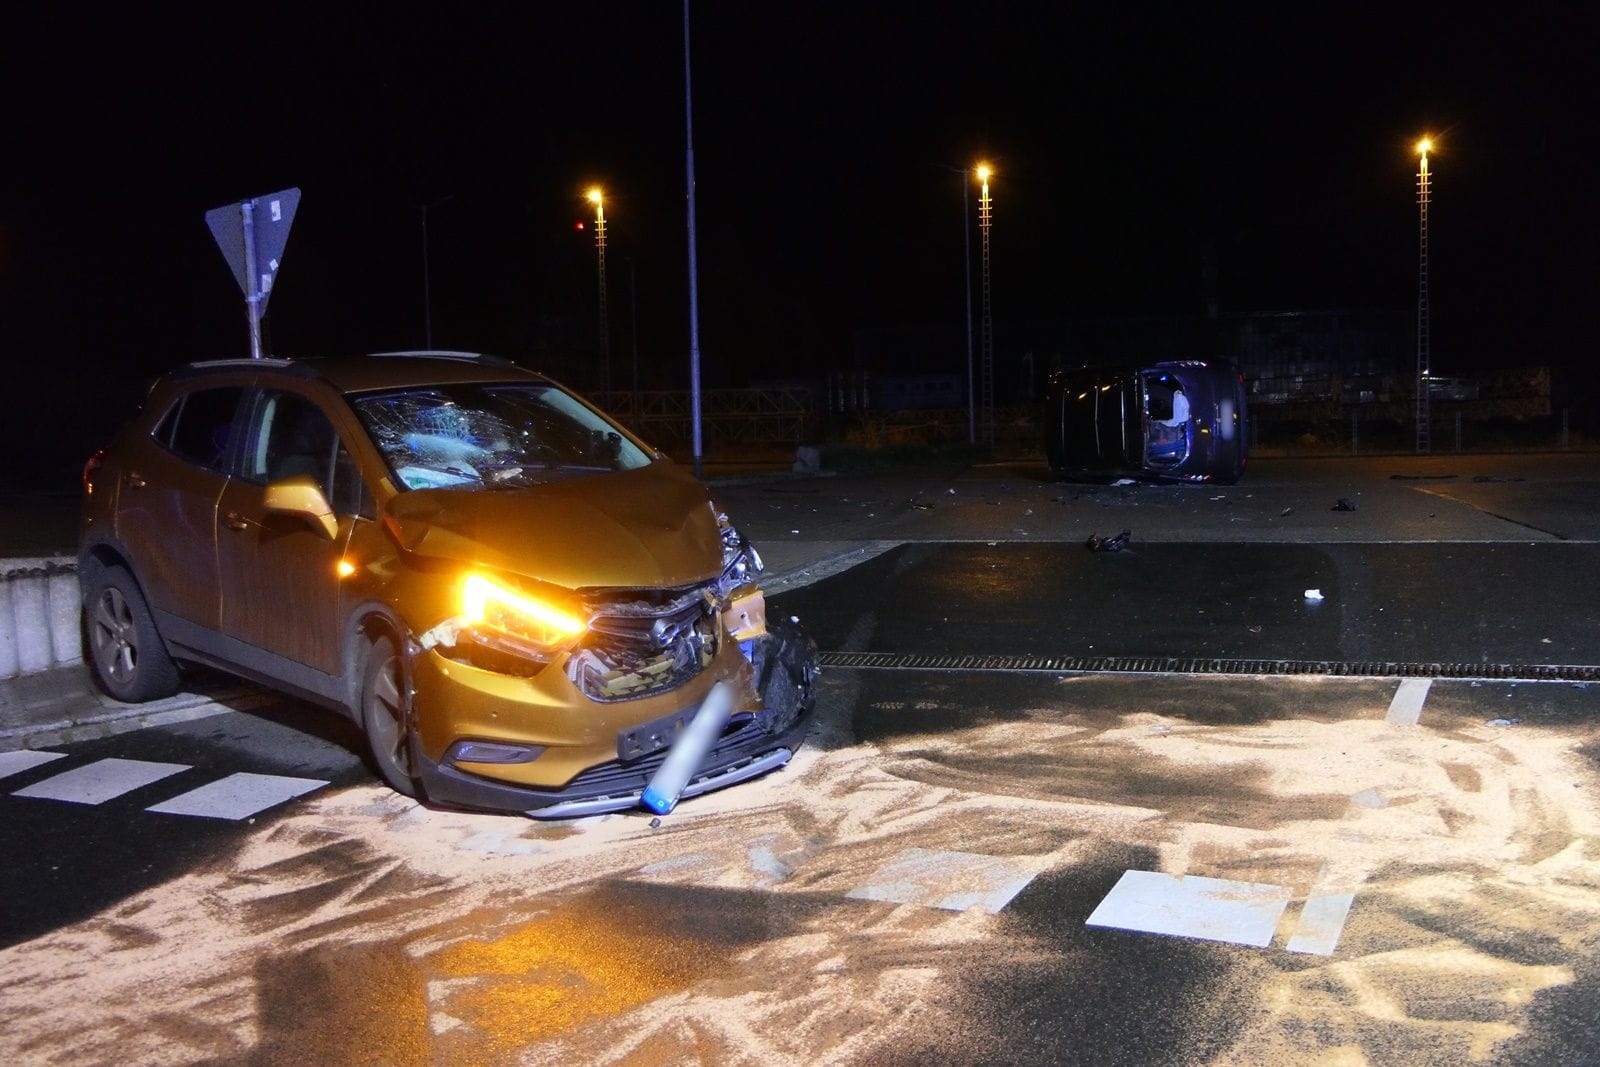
(252, 235)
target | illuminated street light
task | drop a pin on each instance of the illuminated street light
(597, 199)
(1424, 192)
(985, 216)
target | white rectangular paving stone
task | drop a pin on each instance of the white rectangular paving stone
(25, 759)
(101, 781)
(954, 881)
(1321, 923)
(237, 796)
(1210, 909)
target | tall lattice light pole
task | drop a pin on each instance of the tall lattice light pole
(598, 199)
(985, 216)
(1424, 192)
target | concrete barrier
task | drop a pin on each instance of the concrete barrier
(39, 608)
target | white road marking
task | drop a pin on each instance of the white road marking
(237, 796)
(1406, 707)
(954, 881)
(1321, 923)
(1211, 909)
(25, 759)
(101, 781)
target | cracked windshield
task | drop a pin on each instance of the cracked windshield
(492, 436)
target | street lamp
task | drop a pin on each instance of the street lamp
(985, 216)
(598, 200)
(1424, 193)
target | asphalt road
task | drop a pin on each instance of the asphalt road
(964, 865)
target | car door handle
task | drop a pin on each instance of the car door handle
(235, 521)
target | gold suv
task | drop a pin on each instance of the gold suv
(521, 604)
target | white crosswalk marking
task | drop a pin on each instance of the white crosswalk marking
(101, 781)
(237, 796)
(1321, 922)
(24, 759)
(1211, 909)
(955, 881)
(1406, 707)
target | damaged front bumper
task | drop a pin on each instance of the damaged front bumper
(762, 735)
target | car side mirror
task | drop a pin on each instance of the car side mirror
(300, 497)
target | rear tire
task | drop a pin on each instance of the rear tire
(386, 716)
(126, 654)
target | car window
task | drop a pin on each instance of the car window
(477, 436)
(290, 435)
(201, 426)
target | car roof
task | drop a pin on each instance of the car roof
(380, 370)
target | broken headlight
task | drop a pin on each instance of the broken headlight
(741, 563)
(744, 609)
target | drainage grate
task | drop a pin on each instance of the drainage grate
(1531, 672)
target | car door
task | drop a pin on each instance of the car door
(280, 573)
(167, 509)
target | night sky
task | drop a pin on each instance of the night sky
(1131, 142)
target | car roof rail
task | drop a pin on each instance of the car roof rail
(239, 361)
(466, 357)
(203, 367)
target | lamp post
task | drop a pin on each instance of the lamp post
(598, 199)
(985, 216)
(1424, 192)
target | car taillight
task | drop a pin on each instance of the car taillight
(96, 461)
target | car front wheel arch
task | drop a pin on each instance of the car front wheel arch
(385, 712)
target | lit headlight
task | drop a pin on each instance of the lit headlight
(515, 620)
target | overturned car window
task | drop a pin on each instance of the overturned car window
(492, 436)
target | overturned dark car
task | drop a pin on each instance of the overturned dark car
(1180, 420)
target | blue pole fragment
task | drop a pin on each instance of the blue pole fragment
(689, 750)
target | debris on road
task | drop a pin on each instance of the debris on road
(1503, 722)
(1096, 543)
(1313, 594)
(1285, 513)
(1344, 504)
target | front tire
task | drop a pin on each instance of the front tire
(126, 654)
(386, 716)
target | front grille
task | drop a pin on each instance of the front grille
(642, 642)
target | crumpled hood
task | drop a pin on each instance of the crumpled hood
(649, 527)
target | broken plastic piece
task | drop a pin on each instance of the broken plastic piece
(1096, 543)
(1313, 594)
(745, 617)
(446, 633)
(689, 750)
